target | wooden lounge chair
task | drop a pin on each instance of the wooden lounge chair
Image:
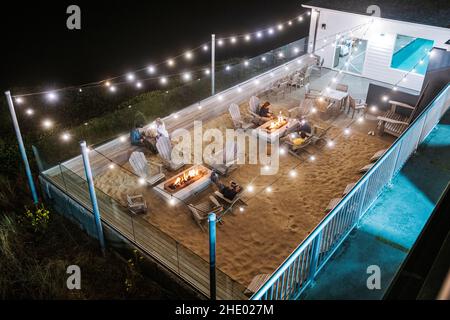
(164, 147)
(297, 149)
(395, 123)
(366, 168)
(256, 283)
(348, 188)
(228, 202)
(357, 105)
(143, 168)
(237, 119)
(227, 159)
(377, 155)
(253, 109)
(136, 204)
(333, 203)
(200, 211)
(311, 93)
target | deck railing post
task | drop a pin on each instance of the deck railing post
(22, 150)
(213, 64)
(93, 196)
(212, 256)
(315, 256)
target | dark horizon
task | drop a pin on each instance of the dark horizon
(117, 36)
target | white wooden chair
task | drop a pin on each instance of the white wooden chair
(228, 158)
(142, 168)
(311, 93)
(200, 211)
(333, 203)
(348, 188)
(237, 119)
(366, 168)
(136, 204)
(395, 123)
(164, 147)
(377, 155)
(253, 109)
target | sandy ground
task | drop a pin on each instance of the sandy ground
(273, 224)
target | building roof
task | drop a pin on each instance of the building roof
(428, 12)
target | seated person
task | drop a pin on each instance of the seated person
(264, 111)
(228, 192)
(305, 127)
(161, 128)
(136, 136)
(150, 140)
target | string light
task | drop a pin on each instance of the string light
(29, 112)
(374, 108)
(269, 189)
(241, 209)
(293, 173)
(248, 37)
(138, 85)
(330, 143)
(19, 100)
(123, 138)
(142, 181)
(270, 31)
(163, 80)
(280, 27)
(65, 137)
(151, 69)
(130, 77)
(52, 96)
(259, 34)
(233, 40)
(205, 47)
(220, 42)
(170, 62)
(347, 131)
(207, 72)
(250, 188)
(112, 89)
(312, 158)
(188, 55)
(187, 76)
(47, 123)
(111, 166)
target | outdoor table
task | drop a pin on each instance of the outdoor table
(335, 95)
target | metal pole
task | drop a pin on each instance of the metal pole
(213, 64)
(93, 196)
(22, 148)
(212, 256)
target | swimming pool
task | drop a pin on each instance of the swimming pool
(409, 56)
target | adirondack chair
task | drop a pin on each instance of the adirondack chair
(356, 105)
(332, 204)
(253, 108)
(377, 155)
(395, 123)
(143, 168)
(228, 158)
(366, 168)
(302, 110)
(164, 147)
(348, 188)
(200, 211)
(228, 202)
(311, 93)
(137, 204)
(237, 119)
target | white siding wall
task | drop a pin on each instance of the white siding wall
(377, 63)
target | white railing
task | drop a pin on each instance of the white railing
(297, 271)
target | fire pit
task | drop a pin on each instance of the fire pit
(185, 184)
(273, 129)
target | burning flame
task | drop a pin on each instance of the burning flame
(277, 123)
(186, 177)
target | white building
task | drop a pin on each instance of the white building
(385, 44)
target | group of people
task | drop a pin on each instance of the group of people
(148, 137)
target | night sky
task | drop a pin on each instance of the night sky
(120, 36)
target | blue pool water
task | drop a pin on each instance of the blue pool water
(408, 56)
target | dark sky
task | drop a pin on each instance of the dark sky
(118, 36)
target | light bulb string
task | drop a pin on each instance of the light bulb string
(163, 62)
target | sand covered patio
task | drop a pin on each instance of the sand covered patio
(257, 240)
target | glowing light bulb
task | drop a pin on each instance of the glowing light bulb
(292, 173)
(170, 62)
(263, 58)
(360, 120)
(141, 181)
(269, 189)
(107, 83)
(205, 47)
(330, 144)
(280, 27)
(250, 188)
(111, 166)
(246, 63)
(233, 40)
(270, 31)
(282, 151)
(290, 23)
(394, 88)
(241, 209)
(175, 116)
(29, 112)
(280, 55)
(374, 108)
(65, 137)
(220, 42)
(138, 84)
(130, 77)
(347, 131)
(163, 80)
(300, 19)
(188, 55)
(239, 89)
(385, 98)
(220, 98)
(259, 34)
(334, 79)
(51, 96)
(296, 50)
(19, 100)
(151, 69)
(312, 158)
(112, 89)
(187, 76)
(123, 138)
(47, 124)
(247, 37)
(172, 201)
(228, 68)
